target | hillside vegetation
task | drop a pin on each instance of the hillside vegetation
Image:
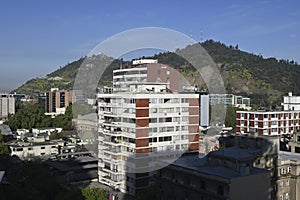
(264, 80)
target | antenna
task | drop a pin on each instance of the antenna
(121, 63)
(191, 38)
(201, 35)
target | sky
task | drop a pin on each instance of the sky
(37, 37)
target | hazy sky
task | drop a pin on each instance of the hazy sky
(37, 37)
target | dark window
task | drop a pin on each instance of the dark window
(220, 190)
(169, 119)
(62, 102)
(153, 139)
(203, 185)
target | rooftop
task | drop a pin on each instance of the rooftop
(28, 144)
(286, 156)
(197, 164)
(236, 153)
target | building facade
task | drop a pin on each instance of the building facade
(146, 71)
(142, 122)
(230, 100)
(222, 174)
(31, 150)
(284, 166)
(291, 102)
(57, 101)
(288, 182)
(7, 105)
(267, 122)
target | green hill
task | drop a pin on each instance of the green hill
(264, 80)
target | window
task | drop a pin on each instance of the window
(153, 139)
(165, 139)
(287, 196)
(176, 119)
(187, 180)
(184, 128)
(202, 185)
(168, 72)
(287, 182)
(281, 184)
(42, 147)
(273, 122)
(281, 197)
(153, 130)
(185, 118)
(274, 130)
(289, 170)
(153, 120)
(169, 119)
(220, 190)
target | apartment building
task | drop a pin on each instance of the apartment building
(291, 102)
(57, 101)
(146, 71)
(284, 166)
(230, 100)
(30, 150)
(288, 182)
(142, 122)
(7, 105)
(267, 122)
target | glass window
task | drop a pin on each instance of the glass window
(287, 182)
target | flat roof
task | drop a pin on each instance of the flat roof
(33, 144)
(197, 164)
(268, 112)
(236, 153)
(286, 156)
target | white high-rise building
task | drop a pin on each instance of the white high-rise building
(141, 124)
(7, 105)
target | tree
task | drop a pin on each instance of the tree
(93, 194)
(3, 148)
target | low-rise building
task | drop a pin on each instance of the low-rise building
(50, 130)
(223, 174)
(30, 150)
(267, 122)
(230, 100)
